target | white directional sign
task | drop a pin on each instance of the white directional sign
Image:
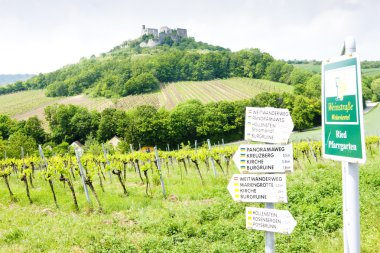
(271, 125)
(258, 188)
(264, 158)
(270, 220)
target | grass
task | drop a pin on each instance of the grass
(309, 66)
(317, 69)
(371, 72)
(371, 127)
(20, 102)
(194, 218)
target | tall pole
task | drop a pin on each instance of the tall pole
(269, 236)
(350, 187)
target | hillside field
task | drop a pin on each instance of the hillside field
(317, 69)
(371, 127)
(22, 105)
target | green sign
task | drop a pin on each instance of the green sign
(342, 110)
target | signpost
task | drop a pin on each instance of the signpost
(343, 133)
(272, 220)
(258, 188)
(264, 158)
(270, 125)
(343, 126)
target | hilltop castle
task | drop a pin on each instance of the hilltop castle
(159, 37)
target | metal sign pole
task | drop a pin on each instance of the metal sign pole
(269, 236)
(350, 187)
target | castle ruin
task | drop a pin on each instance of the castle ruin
(159, 37)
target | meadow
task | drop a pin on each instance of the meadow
(317, 69)
(371, 127)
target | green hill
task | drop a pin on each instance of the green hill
(22, 105)
(130, 69)
(8, 79)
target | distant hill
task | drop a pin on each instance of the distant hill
(8, 79)
(25, 104)
(131, 69)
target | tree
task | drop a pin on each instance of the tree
(313, 87)
(184, 120)
(71, 123)
(274, 71)
(375, 86)
(6, 125)
(109, 123)
(57, 89)
(18, 140)
(142, 83)
(299, 76)
(33, 128)
(305, 112)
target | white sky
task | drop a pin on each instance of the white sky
(44, 35)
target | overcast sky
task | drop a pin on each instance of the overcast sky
(43, 35)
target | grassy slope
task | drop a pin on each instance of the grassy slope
(20, 102)
(194, 218)
(29, 103)
(371, 127)
(317, 69)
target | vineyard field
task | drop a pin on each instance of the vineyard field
(16, 104)
(22, 105)
(195, 217)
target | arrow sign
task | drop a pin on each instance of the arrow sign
(269, 125)
(264, 158)
(270, 220)
(258, 188)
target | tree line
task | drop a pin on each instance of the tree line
(147, 125)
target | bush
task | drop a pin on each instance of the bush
(57, 89)
(142, 83)
(375, 86)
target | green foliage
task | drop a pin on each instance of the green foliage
(194, 218)
(142, 83)
(299, 76)
(71, 123)
(129, 69)
(305, 112)
(33, 128)
(6, 125)
(375, 86)
(18, 140)
(279, 71)
(57, 89)
(310, 89)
